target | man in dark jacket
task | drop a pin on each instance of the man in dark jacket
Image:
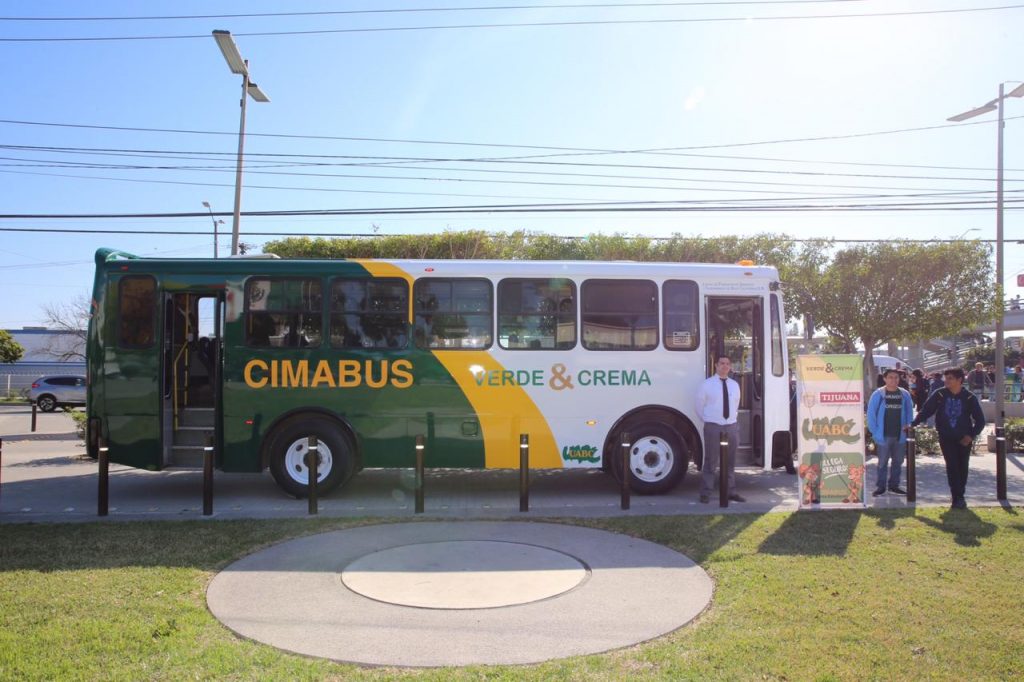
(959, 420)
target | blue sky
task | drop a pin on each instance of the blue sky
(704, 88)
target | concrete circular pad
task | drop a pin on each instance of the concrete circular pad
(466, 574)
(297, 595)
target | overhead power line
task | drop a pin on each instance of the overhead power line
(799, 196)
(581, 207)
(495, 145)
(350, 235)
(184, 153)
(424, 10)
(534, 24)
(348, 160)
(260, 169)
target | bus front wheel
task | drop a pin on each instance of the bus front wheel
(657, 458)
(289, 456)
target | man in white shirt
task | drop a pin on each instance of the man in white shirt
(718, 400)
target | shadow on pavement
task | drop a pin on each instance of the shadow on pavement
(23, 437)
(54, 461)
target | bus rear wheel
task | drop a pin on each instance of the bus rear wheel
(658, 458)
(289, 453)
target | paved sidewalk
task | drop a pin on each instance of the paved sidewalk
(357, 595)
(45, 476)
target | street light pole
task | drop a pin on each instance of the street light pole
(997, 105)
(215, 224)
(239, 66)
(1001, 319)
(238, 165)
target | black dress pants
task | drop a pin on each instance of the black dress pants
(958, 459)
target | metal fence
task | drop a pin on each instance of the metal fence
(16, 379)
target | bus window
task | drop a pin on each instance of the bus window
(777, 361)
(283, 312)
(537, 314)
(369, 313)
(136, 312)
(620, 314)
(453, 314)
(682, 323)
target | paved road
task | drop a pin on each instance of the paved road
(45, 476)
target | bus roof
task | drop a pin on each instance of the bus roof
(113, 259)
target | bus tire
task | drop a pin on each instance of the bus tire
(46, 403)
(658, 458)
(289, 447)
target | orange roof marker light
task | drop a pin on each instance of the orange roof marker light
(745, 263)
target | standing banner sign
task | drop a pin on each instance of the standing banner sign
(831, 430)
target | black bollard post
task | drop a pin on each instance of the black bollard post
(624, 502)
(208, 477)
(312, 466)
(1001, 464)
(33, 417)
(419, 474)
(524, 472)
(103, 496)
(723, 473)
(911, 466)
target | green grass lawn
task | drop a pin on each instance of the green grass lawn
(884, 595)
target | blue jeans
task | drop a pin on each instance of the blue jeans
(890, 452)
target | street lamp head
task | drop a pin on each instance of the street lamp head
(984, 109)
(1017, 91)
(257, 94)
(230, 51)
(206, 204)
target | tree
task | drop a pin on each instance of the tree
(10, 350)
(904, 291)
(72, 319)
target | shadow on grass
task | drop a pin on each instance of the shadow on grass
(819, 533)
(964, 525)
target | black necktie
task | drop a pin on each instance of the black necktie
(725, 399)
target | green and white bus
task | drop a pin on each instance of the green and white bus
(261, 353)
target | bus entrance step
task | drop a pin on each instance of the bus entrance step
(192, 435)
(186, 457)
(196, 416)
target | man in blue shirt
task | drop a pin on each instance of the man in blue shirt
(890, 410)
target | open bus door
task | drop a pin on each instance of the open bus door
(735, 329)
(191, 385)
(125, 374)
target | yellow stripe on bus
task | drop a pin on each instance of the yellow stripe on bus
(383, 269)
(504, 413)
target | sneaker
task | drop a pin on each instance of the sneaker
(897, 490)
(878, 491)
(959, 504)
(704, 499)
(736, 497)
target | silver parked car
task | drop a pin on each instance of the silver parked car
(51, 392)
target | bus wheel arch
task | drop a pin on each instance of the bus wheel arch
(663, 441)
(285, 451)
